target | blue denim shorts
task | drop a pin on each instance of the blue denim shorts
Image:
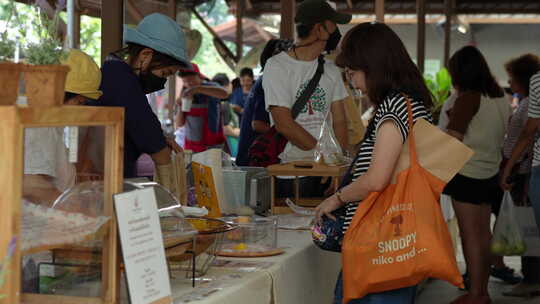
(397, 296)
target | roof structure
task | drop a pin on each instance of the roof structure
(93, 7)
(409, 6)
(253, 32)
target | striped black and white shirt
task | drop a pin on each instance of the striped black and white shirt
(534, 112)
(393, 108)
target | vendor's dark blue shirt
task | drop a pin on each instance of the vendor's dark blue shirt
(142, 129)
(255, 109)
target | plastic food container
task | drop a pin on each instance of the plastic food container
(198, 257)
(254, 237)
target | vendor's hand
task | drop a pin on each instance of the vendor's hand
(173, 145)
(504, 177)
(188, 93)
(326, 208)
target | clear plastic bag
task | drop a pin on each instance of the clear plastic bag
(507, 239)
(328, 150)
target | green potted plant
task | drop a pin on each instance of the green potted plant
(440, 87)
(10, 72)
(45, 76)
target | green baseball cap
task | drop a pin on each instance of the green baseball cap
(317, 11)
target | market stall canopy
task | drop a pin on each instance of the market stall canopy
(254, 33)
(259, 7)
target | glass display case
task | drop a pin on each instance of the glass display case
(32, 232)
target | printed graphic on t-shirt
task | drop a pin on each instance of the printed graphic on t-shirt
(315, 110)
(317, 101)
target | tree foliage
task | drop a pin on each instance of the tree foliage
(20, 28)
(207, 57)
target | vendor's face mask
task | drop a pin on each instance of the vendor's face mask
(151, 82)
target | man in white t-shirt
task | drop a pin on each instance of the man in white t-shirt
(287, 75)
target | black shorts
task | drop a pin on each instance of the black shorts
(474, 191)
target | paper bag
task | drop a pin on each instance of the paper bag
(213, 159)
(443, 162)
(205, 189)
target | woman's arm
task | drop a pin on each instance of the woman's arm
(385, 156)
(40, 189)
(229, 130)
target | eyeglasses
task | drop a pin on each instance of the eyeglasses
(349, 73)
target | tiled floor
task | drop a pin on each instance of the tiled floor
(439, 292)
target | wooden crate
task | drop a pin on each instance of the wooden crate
(14, 120)
(297, 169)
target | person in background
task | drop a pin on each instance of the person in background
(256, 119)
(520, 71)
(286, 76)
(47, 171)
(235, 84)
(231, 128)
(223, 80)
(480, 111)
(203, 121)
(156, 49)
(377, 63)
(240, 94)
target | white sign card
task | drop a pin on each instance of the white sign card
(142, 247)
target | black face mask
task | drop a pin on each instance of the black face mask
(151, 83)
(333, 41)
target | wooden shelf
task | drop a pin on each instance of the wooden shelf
(306, 169)
(298, 169)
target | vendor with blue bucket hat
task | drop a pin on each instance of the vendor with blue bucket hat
(156, 49)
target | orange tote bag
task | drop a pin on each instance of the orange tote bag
(398, 237)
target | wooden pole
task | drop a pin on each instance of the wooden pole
(379, 11)
(287, 19)
(112, 19)
(213, 32)
(240, 5)
(447, 30)
(134, 11)
(11, 175)
(421, 42)
(171, 100)
(77, 29)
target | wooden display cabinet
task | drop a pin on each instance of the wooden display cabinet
(13, 121)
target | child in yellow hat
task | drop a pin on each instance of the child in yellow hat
(47, 171)
(83, 80)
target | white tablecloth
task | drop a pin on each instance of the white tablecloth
(303, 274)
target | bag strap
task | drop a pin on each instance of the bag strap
(312, 85)
(413, 157)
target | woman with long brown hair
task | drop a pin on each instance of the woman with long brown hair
(479, 119)
(377, 63)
